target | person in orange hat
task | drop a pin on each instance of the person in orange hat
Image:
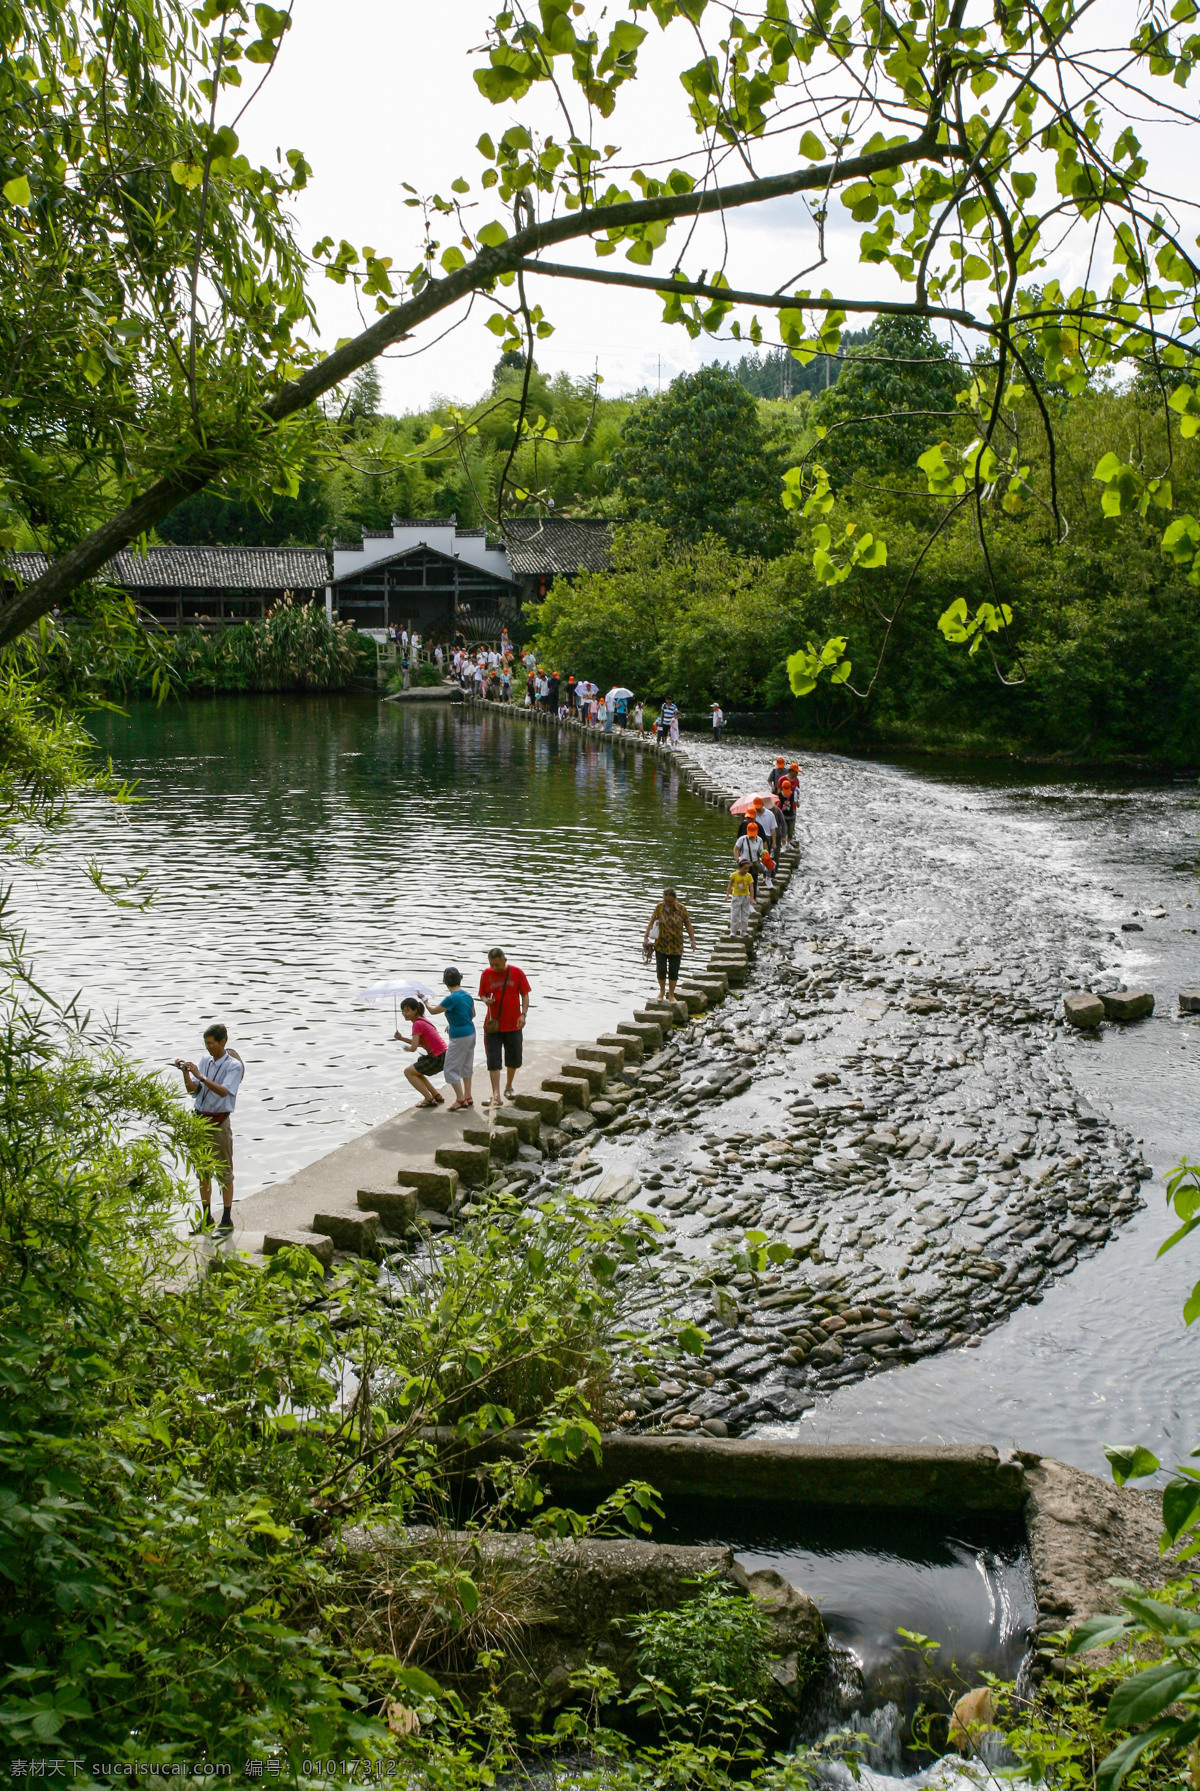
(777, 774)
(768, 826)
(749, 853)
(787, 806)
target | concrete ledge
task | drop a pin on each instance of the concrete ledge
(428, 693)
(945, 1478)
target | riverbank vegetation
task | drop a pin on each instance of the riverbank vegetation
(1101, 658)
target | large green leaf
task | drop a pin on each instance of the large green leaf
(1147, 1694)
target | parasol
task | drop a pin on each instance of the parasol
(744, 804)
(400, 988)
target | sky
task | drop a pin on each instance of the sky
(380, 92)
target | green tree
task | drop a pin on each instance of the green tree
(694, 461)
(896, 393)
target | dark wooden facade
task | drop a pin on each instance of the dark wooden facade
(423, 589)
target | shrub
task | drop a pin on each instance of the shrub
(720, 1637)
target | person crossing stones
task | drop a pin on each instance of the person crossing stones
(749, 852)
(740, 896)
(665, 930)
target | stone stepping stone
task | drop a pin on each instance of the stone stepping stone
(1083, 1011)
(316, 1245)
(351, 1229)
(438, 1188)
(396, 1207)
(1128, 1004)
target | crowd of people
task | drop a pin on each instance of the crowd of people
(501, 675)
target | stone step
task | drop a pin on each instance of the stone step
(734, 973)
(320, 1247)
(611, 1056)
(649, 1031)
(713, 983)
(437, 1187)
(595, 1074)
(472, 1161)
(548, 1107)
(395, 1207)
(1127, 1004)
(528, 1126)
(675, 1012)
(692, 995)
(504, 1143)
(574, 1090)
(629, 1045)
(351, 1229)
(647, 1016)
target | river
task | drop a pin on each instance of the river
(299, 848)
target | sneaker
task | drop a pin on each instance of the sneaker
(226, 1223)
(203, 1224)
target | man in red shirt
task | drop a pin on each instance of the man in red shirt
(505, 988)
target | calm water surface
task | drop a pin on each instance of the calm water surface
(301, 848)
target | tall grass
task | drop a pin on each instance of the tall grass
(294, 647)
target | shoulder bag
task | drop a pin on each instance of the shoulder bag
(492, 1020)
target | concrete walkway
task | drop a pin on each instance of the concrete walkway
(408, 1139)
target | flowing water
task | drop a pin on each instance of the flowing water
(302, 847)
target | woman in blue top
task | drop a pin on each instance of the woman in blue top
(459, 1009)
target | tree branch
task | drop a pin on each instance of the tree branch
(89, 555)
(772, 301)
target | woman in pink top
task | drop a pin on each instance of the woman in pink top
(429, 1042)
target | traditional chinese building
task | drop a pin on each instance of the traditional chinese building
(424, 574)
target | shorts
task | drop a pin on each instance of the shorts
(459, 1060)
(428, 1065)
(667, 964)
(503, 1048)
(221, 1139)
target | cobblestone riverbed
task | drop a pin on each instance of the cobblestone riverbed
(895, 1095)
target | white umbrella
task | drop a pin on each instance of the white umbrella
(618, 691)
(400, 988)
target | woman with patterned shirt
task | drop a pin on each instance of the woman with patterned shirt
(666, 926)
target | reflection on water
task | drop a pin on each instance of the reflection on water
(302, 847)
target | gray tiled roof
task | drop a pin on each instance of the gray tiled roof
(548, 544)
(206, 568)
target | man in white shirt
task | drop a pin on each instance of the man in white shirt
(213, 1083)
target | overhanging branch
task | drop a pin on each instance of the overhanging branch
(91, 554)
(771, 301)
